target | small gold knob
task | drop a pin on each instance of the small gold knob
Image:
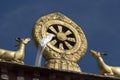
(61, 36)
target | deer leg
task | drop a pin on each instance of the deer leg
(109, 74)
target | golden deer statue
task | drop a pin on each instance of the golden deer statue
(104, 68)
(15, 56)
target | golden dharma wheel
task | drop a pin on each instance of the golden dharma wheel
(69, 42)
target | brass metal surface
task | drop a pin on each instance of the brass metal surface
(15, 56)
(67, 47)
(103, 67)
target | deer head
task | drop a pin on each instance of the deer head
(21, 40)
(96, 54)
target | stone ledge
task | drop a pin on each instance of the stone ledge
(12, 71)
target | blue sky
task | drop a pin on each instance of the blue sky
(99, 19)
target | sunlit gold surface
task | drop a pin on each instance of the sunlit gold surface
(15, 56)
(104, 68)
(67, 47)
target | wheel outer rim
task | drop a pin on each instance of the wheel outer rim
(78, 40)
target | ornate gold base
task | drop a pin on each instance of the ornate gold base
(62, 65)
(12, 61)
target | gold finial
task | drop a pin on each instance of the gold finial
(67, 47)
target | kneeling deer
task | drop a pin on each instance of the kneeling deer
(103, 67)
(15, 56)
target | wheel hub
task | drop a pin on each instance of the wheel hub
(61, 36)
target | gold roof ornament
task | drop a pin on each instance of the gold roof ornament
(15, 56)
(66, 48)
(105, 69)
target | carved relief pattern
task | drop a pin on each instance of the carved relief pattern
(67, 47)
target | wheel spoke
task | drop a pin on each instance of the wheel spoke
(68, 32)
(48, 33)
(52, 29)
(68, 45)
(71, 39)
(53, 42)
(60, 28)
(61, 46)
